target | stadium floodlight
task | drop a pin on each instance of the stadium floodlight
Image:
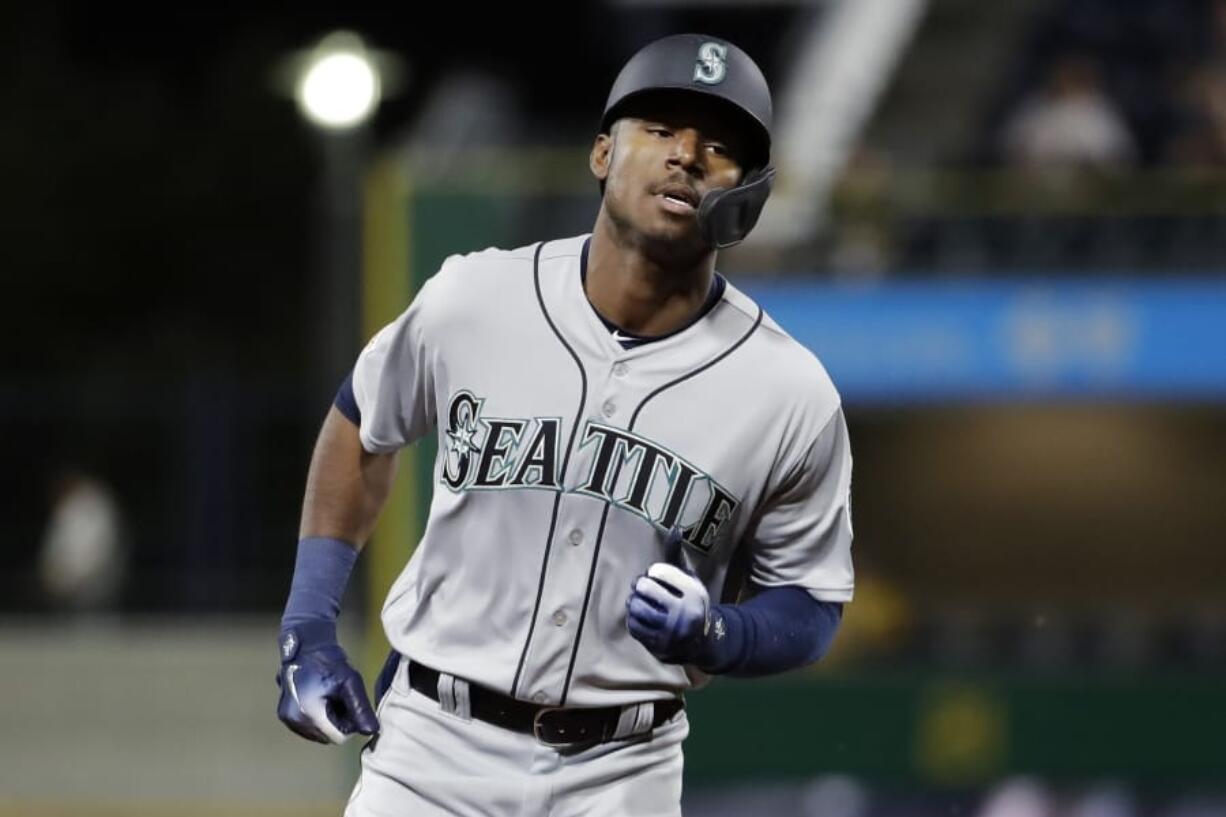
(339, 86)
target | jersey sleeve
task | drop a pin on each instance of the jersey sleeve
(803, 536)
(393, 381)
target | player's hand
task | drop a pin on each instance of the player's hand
(323, 698)
(668, 612)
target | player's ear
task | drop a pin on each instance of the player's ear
(602, 156)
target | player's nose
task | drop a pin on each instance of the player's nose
(686, 150)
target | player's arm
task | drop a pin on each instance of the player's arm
(802, 575)
(386, 404)
(322, 697)
(779, 629)
(346, 486)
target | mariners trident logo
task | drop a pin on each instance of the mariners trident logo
(712, 65)
(618, 466)
(498, 452)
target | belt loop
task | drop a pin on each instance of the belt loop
(634, 719)
(453, 696)
(463, 702)
(402, 676)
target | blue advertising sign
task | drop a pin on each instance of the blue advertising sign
(967, 339)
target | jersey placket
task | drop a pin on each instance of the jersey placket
(574, 551)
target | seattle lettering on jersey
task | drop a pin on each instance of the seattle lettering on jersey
(625, 469)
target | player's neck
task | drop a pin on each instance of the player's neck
(638, 292)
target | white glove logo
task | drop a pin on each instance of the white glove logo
(289, 680)
(315, 708)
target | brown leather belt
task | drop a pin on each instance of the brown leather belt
(552, 726)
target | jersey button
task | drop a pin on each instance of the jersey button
(576, 537)
(540, 697)
(620, 369)
(609, 408)
(559, 618)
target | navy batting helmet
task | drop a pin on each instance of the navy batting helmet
(693, 63)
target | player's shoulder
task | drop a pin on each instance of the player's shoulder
(781, 366)
(494, 274)
(486, 276)
(487, 261)
(486, 286)
(500, 260)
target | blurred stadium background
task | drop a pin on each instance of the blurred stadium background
(1000, 225)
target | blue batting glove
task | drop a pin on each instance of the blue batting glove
(668, 612)
(323, 698)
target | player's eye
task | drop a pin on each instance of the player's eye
(717, 149)
(659, 131)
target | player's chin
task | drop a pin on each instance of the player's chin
(674, 227)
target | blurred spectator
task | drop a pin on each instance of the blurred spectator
(83, 557)
(835, 795)
(1070, 122)
(1019, 797)
(1103, 800)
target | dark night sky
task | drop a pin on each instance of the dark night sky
(185, 48)
(567, 55)
(157, 186)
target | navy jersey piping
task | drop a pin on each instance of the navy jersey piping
(553, 519)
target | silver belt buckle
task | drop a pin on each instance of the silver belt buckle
(536, 727)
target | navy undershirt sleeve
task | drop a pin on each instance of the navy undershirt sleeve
(779, 629)
(346, 403)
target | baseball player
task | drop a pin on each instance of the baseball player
(641, 482)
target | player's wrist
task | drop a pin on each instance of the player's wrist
(303, 637)
(721, 645)
(321, 573)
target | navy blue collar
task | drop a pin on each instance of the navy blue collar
(630, 340)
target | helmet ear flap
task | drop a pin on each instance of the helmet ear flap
(726, 216)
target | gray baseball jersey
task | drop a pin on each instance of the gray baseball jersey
(565, 459)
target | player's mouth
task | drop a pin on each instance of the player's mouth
(678, 198)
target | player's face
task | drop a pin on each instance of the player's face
(657, 165)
